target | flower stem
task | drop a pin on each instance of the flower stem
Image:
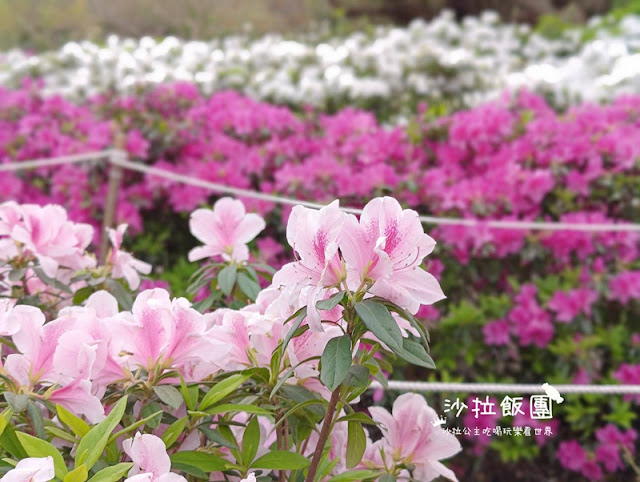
(324, 434)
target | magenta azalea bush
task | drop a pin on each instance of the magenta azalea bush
(96, 391)
(522, 305)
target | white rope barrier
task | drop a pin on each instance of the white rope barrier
(411, 386)
(55, 161)
(118, 158)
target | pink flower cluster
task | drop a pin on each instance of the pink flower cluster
(607, 455)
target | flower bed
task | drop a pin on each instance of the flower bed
(527, 306)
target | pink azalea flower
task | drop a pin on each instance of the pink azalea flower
(124, 265)
(250, 478)
(55, 241)
(31, 470)
(625, 286)
(569, 304)
(314, 236)
(151, 462)
(496, 332)
(169, 333)
(571, 455)
(410, 437)
(386, 248)
(225, 231)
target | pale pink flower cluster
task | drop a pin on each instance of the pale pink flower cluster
(45, 234)
(123, 264)
(74, 358)
(381, 253)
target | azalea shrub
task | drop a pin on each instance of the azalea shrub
(95, 388)
(448, 62)
(526, 306)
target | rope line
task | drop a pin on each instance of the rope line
(118, 158)
(411, 386)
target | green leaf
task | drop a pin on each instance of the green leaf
(169, 395)
(77, 425)
(36, 447)
(79, 474)
(207, 462)
(93, 443)
(281, 460)
(227, 278)
(120, 293)
(62, 435)
(358, 377)
(35, 414)
(190, 394)
(248, 286)
(299, 315)
(387, 478)
(82, 294)
(222, 389)
(10, 443)
(357, 443)
(379, 321)
(237, 407)
(51, 281)
(414, 353)
(113, 473)
(250, 441)
(152, 420)
(17, 403)
(357, 417)
(5, 418)
(355, 475)
(332, 302)
(336, 361)
(173, 431)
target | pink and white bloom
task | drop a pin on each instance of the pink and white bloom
(314, 236)
(32, 469)
(151, 461)
(124, 265)
(385, 248)
(410, 437)
(225, 230)
(250, 478)
(169, 333)
(47, 234)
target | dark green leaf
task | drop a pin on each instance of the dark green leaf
(281, 460)
(379, 321)
(204, 461)
(248, 286)
(330, 303)
(35, 414)
(17, 403)
(356, 445)
(227, 278)
(250, 441)
(169, 395)
(358, 377)
(414, 352)
(336, 361)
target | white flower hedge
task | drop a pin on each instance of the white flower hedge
(462, 63)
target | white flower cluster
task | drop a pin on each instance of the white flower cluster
(442, 59)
